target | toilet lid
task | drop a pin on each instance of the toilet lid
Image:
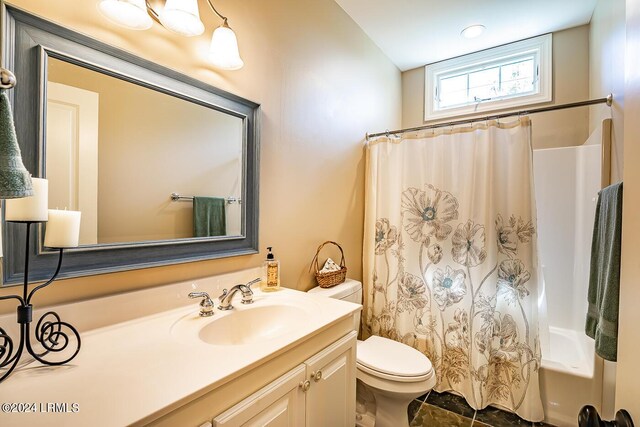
(393, 358)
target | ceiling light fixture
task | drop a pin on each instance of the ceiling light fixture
(181, 17)
(472, 31)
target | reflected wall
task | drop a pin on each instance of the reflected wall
(116, 151)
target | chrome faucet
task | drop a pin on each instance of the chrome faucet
(227, 295)
(206, 305)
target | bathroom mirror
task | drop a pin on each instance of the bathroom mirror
(104, 134)
(129, 143)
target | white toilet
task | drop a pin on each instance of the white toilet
(390, 374)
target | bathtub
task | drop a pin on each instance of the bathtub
(570, 376)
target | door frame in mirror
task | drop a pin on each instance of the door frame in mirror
(27, 42)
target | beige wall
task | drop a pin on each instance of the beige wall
(322, 84)
(606, 71)
(150, 145)
(570, 84)
(628, 378)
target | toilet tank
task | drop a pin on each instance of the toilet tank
(350, 290)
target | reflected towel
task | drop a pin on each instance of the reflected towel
(604, 276)
(209, 216)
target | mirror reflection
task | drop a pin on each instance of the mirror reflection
(117, 151)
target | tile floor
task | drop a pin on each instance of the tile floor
(449, 410)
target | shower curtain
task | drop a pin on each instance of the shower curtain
(450, 258)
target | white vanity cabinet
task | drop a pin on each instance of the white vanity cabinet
(331, 398)
(320, 392)
(279, 404)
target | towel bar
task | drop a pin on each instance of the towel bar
(230, 200)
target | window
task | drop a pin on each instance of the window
(503, 77)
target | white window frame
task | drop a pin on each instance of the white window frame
(540, 47)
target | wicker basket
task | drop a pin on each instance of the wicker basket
(330, 278)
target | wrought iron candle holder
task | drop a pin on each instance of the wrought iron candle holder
(51, 332)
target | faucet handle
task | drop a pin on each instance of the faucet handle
(247, 293)
(198, 295)
(253, 282)
(206, 305)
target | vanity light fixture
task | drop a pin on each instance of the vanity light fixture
(181, 17)
(473, 31)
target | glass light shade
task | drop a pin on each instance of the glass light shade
(127, 13)
(182, 17)
(223, 52)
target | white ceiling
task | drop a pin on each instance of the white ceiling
(413, 33)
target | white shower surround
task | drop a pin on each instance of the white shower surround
(567, 181)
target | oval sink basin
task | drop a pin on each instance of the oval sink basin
(243, 325)
(252, 325)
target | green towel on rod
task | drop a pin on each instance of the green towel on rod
(209, 216)
(604, 276)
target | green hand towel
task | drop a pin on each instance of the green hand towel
(604, 276)
(15, 181)
(209, 216)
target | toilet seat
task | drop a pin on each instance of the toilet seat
(396, 378)
(391, 360)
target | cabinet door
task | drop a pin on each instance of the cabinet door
(279, 404)
(331, 399)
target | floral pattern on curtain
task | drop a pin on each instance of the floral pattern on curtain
(450, 259)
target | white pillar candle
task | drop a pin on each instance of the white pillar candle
(33, 208)
(63, 229)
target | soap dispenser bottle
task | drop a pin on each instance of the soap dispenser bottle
(271, 273)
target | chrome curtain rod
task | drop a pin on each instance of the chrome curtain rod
(608, 100)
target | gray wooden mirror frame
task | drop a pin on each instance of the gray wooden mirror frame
(27, 42)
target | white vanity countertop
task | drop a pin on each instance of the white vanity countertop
(129, 371)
